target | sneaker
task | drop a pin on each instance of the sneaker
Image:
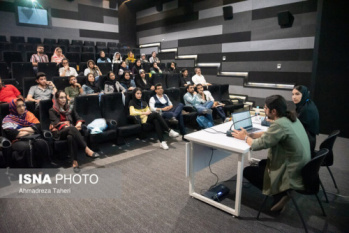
(173, 134)
(164, 145)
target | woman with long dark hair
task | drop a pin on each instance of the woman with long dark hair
(307, 113)
(62, 127)
(111, 85)
(140, 108)
(90, 86)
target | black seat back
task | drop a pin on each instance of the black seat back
(89, 43)
(44, 108)
(28, 82)
(146, 67)
(4, 111)
(182, 92)
(34, 40)
(21, 70)
(88, 49)
(17, 39)
(87, 107)
(3, 39)
(159, 78)
(113, 108)
(49, 41)
(101, 44)
(50, 69)
(11, 56)
(87, 56)
(74, 48)
(11, 81)
(215, 91)
(310, 172)
(64, 42)
(172, 80)
(112, 44)
(225, 92)
(174, 95)
(61, 82)
(104, 67)
(4, 74)
(146, 95)
(73, 57)
(328, 144)
(77, 42)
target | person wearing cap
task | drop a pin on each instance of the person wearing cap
(143, 81)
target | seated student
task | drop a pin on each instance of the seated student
(111, 85)
(202, 107)
(43, 91)
(73, 90)
(138, 107)
(173, 69)
(9, 92)
(57, 56)
(66, 70)
(92, 68)
(127, 82)
(130, 58)
(289, 151)
(20, 123)
(144, 59)
(117, 58)
(155, 69)
(161, 102)
(90, 86)
(199, 78)
(206, 96)
(143, 81)
(137, 67)
(40, 56)
(154, 58)
(102, 58)
(185, 80)
(61, 117)
(123, 68)
(307, 113)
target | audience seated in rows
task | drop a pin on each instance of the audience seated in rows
(66, 70)
(142, 81)
(102, 58)
(139, 107)
(154, 58)
(185, 80)
(161, 103)
(127, 82)
(192, 99)
(112, 85)
(57, 56)
(62, 128)
(9, 92)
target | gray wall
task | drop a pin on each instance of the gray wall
(90, 20)
(251, 42)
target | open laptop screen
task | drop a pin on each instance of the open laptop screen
(239, 121)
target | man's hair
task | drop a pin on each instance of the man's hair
(199, 85)
(71, 76)
(189, 85)
(65, 59)
(39, 75)
(40, 45)
(184, 69)
(157, 85)
(196, 69)
(278, 103)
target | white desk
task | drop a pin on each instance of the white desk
(198, 154)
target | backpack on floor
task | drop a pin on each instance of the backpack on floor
(203, 122)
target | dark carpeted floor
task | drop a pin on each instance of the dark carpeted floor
(154, 198)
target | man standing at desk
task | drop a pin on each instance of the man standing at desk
(289, 151)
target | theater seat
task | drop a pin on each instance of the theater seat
(89, 43)
(172, 80)
(4, 72)
(49, 41)
(101, 44)
(34, 40)
(88, 108)
(73, 57)
(112, 44)
(77, 42)
(11, 56)
(230, 104)
(22, 69)
(159, 78)
(17, 39)
(28, 82)
(113, 108)
(50, 69)
(87, 56)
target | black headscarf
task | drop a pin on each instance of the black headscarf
(125, 81)
(307, 112)
(109, 81)
(93, 86)
(136, 103)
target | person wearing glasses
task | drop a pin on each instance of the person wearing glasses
(66, 70)
(289, 151)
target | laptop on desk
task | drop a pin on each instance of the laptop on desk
(243, 119)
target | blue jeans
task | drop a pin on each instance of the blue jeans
(177, 113)
(221, 113)
(205, 107)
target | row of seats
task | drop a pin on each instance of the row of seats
(16, 56)
(36, 40)
(19, 70)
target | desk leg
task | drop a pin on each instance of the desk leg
(250, 159)
(189, 150)
(239, 180)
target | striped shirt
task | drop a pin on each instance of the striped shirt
(39, 58)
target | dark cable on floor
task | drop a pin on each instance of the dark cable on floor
(216, 131)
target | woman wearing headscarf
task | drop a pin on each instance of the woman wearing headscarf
(57, 56)
(127, 82)
(111, 85)
(90, 86)
(62, 128)
(117, 58)
(92, 68)
(130, 58)
(102, 58)
(140, 108)
(21, 123)
(155, 69)
(307, 113)
(173, 69)
(137, 67)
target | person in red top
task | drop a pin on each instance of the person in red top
(8, 93)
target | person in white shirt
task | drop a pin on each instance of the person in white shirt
(162, 103)
(206, 96)
(66, 70)
(198, 78)
(154, 58)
